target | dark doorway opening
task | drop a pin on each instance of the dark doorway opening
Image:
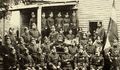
(25, 17)
(92, 27)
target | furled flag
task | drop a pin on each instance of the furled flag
(112, 32)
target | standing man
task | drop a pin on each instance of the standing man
(50, 20)
(32, 19)
(58, 21)
(100, 31)
(66, 23)
(44, 26)
(74, 23)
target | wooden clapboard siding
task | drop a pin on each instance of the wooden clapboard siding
(97, 10)
(117, 4)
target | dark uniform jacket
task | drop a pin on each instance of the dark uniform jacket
(54, 58)
(53, 36)
(34, 33)
(90, 49)
(115, 56)
(66, 60)
(74, 24)
(50, 22)
(58, 23)
(32, 20)
(66, 24)
(26, 37)
(44, 24)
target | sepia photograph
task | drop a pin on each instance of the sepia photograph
(59, 35)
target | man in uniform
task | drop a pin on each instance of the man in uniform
(97, 61)
(26, 36)
(20, 46)
(74, 23)
(90, 48)
(73, 49)
(115, 55)
(54, 59)
(46, 45)
(53, 35)
(79, 33)
(26, 60)
(50, 21)
(70, 35)
(81, 59)
(12, 37)
(66, 60)
(66, 23)
(100, 31)
(32, 20)
(44, 26)
(60, 36)
(58, 21)
(35, 33)
(13, 59)
(41, 61)
(34, 49)
(6, 54)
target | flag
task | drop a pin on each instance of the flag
(112, 32)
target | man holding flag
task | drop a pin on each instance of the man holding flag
(111, 48)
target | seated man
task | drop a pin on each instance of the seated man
(66, 60)
(81, 59)
(34, 48)
(54, 60)
(97, 61)
(27, 61)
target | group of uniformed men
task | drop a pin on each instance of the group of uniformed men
(62, 45)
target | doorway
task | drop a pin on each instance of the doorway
(92, 27)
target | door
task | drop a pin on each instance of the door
(92, 27)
